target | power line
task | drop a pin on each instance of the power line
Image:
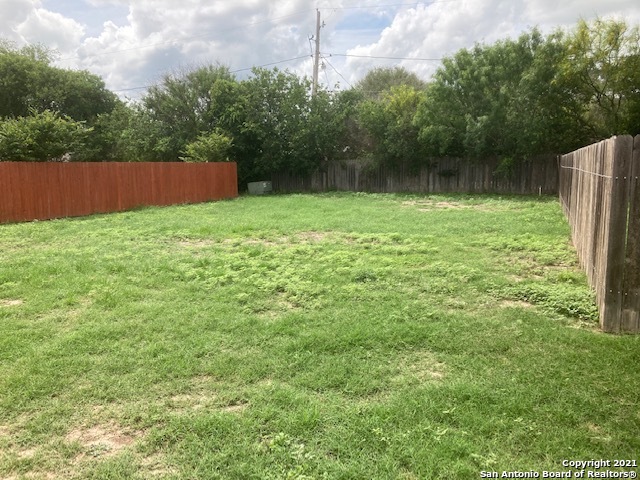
(334, 68)
(269, 64)
(413, 4)
(231, 71)
(385, 58)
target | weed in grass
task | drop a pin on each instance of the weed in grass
(307, 336)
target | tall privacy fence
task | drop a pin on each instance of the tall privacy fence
(601, 199)
(40, 191)
(540, 175)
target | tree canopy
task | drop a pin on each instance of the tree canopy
(29, 83)
(512, 99)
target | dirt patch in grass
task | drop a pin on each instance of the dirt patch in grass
(516, 304)
(430, 205)
(237, 407)
(202, 395)
(421, 366)
(277, 306)
(35, 476)
(265, 242)
(196, 243)
(101, 440)
(11, 302)
(27, 453)
(192, 401)
(156, 466)
(311, 236)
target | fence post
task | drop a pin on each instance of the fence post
(631, 282)
(610, 319)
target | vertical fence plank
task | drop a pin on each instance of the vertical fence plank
(620, 155)
(631, 282)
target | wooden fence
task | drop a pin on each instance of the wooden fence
(30, 191)
(540, 175)
(601, 199)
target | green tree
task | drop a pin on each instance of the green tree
(279, 126)
(208, 147)
(39, 137)
(389, 122)
(184, 106)
(29, 83)
(381, 79)
(500, 100)
(602, 72)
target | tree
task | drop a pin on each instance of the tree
(500, 100)
(208, 147)
(279, 126)
(381, 79)
(29, 83)
(602, 72)
(39, 137)
(368, 113)
(516, 99)
(183, 106)
(389, 122)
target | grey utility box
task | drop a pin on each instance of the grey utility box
(259, 188)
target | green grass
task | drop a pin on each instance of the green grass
(336, 336)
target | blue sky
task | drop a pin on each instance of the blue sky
(92, 17)
(132, 43)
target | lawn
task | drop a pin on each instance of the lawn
(334, 336)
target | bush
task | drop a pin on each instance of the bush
(208, 147)
(40, 137)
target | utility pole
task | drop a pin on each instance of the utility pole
(316, 56)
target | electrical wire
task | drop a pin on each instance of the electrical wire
(334, 68)
(269, 64)
(413, 4)
(385, 58)
(231, 71)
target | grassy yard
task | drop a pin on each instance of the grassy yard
(337, 336)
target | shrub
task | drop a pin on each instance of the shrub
(40, 137)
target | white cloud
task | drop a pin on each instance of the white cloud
(52, 29)
(12, 14)
(440, 29)
(132, 43)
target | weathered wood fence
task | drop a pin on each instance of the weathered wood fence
(30, 191)
(601, 199)
(540, 175)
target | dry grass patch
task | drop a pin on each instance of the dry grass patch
(193, 401)
(201, 396)
(196, 243)
(101, 440)
(156, 466)
(421, 367)
(237, 407)
(312, 236)
(11, 302)
(277, 306)
(516, 304)
(430, 205)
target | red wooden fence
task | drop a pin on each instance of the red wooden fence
(40, 191)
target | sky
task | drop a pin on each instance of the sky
(131, 44)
